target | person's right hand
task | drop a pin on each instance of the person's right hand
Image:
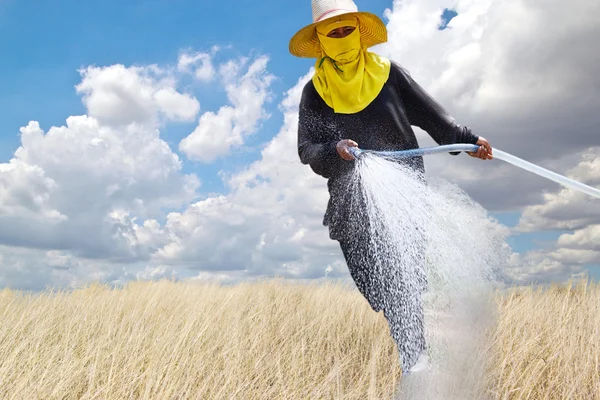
(342, 148)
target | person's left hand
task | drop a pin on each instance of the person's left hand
(485, 150)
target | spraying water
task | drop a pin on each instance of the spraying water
(436, 257)
(439, 256)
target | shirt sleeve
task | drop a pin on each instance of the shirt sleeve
(315, 148)
(426, 113)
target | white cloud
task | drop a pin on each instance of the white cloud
(25, 190)
(270, 222)
(20, 268)
(567, 208)
(156, 274)
(217, 133)
(176, 106)
(79, 190)
(588, 169)
(530, 90)
(116, 95)
(198, 64)
(75, 187)
(31, 269)
(566, 259)
(542, 266)
(481, 70)
(100, 182)
(587, 238)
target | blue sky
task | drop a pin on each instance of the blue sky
(44, 44)
(47, 45)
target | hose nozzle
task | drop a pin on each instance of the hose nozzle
(355, 151)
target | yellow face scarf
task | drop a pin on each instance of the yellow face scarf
(348, 78)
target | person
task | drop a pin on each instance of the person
(357, 97)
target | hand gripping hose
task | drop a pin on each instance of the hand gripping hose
(499, 154)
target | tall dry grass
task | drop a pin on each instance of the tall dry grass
(546, 344)
(270, 340)
(174, 340)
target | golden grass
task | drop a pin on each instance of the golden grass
(270, 340)
(174, 340)
(547, 343)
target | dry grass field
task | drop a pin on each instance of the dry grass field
(269, 340)
(546, 344)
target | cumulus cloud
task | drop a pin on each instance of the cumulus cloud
(541, 266)
(497, 70)
(35, 270)
(117, 95)
(587, 238)
(530, 90)
(74, 187)
(217, 133)
(25, 190)
(90, 193)
(156, 274)
(198, 64)
(563, 210)
(270, 222)
(566, 259)
(100, 182)
(21, 268)
(567, 209)
(487, 75)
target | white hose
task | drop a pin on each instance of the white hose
(553, 176)
(499, 154)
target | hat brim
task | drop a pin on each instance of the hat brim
(305, 43)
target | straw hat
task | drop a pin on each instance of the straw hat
(305, 42)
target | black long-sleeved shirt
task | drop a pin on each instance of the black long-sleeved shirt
(385, 124)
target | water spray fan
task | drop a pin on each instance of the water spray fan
(498, 154)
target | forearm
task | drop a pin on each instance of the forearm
(322, 158)
(463, 134)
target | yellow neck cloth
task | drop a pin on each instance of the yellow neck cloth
(348, 77)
